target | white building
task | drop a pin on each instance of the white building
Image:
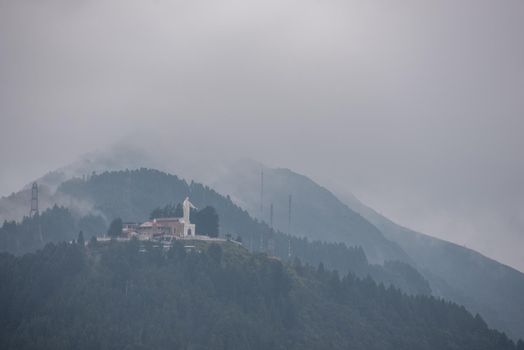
(174, 227)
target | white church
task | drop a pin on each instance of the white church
(162, 229)
(172, 227)
(165, 230)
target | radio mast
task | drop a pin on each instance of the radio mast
(33, 213)
(271, 215)
(289, 226)
(34, 201)
(261, 194)
(289, 215)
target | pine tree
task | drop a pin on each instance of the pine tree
(115, 228)
(80, 240)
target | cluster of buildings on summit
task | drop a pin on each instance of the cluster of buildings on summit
(165, 229)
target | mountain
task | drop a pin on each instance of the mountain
(119, 157)
(460, 274)
(133, 195)
(315, 212)
(456, 273)
(133, 296)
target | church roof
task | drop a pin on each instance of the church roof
(168, 219)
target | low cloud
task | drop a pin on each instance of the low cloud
(415, 107)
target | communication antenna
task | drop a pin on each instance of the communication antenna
(271, 238)
(261, 193)
(289, 215)
(289, 226)
(33, 213)
(271, 215)
(34, 201)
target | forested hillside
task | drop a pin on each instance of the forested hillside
(454, 272)
(461, 274)
(128, 296)
(132, 195)
(56, 224)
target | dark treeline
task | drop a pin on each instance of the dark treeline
(339, 257)
(133, 296)
(55, 224)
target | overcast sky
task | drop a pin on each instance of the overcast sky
(414, 106)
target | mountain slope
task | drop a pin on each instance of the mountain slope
(316, 212)
(455, 273)
(461, 274)
(119, 157)
(132, 195)
(124, 296)
(338, 223)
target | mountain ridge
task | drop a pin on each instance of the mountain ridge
(424, 247)
(495, 290)
(133, 195)
(495, 313)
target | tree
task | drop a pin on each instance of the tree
(169, 211)
(115, 228)
(206, 221)
(80, 240)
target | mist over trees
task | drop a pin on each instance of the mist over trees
(55, 224)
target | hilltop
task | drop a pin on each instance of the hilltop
(132, 195)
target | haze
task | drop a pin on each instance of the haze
(415, 107)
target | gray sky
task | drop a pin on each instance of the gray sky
(414, 106)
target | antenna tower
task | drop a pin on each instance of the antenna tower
(289, 215)
(271, 237)
(289, 226)
(261, 193)
(33, 213)
(34, 200)
(271, 215)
